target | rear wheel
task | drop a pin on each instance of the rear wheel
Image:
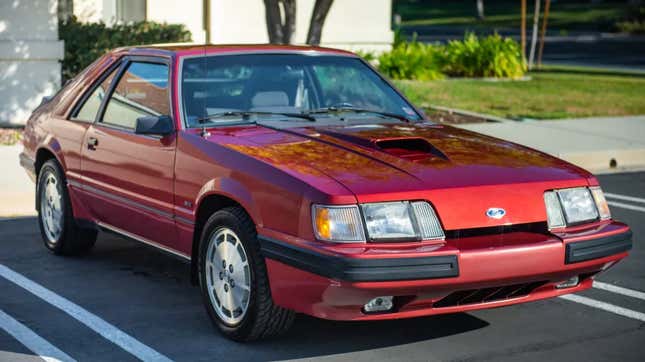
(233, 279)
(59, 231)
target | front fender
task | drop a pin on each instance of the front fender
(234, 190)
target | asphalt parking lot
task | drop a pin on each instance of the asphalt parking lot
(126, 301)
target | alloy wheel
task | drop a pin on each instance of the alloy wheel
(228, 276)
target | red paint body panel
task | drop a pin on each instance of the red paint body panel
(152, 188)
(518, 258)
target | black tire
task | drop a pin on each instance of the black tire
(72, 240)
(263, 319)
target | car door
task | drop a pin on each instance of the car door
(128, 177)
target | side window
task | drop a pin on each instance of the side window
(141, 91)
(88, 111)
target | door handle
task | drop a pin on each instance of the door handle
(92, 142)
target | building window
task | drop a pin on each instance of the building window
(130, 10)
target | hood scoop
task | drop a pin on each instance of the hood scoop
(409, 148)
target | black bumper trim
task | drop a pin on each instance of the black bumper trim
(598, 248)
(360, 270)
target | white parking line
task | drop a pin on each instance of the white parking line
(95, 323)
(605, 306)
(31, 340)
(624, 198)
(626, 206)
(619, 290)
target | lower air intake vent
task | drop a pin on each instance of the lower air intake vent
(475, 296)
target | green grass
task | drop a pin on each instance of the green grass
(550, 94)
(565, 15)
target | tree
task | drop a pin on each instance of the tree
(281, 20)
(321, 9)
(480, 9)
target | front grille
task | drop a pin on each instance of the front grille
(535, 227)
(475, 296)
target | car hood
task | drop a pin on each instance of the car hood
(461, 173)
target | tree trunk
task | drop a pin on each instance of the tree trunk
(289, 24)
(480, 9)
(547, 5)
(274, 21)
(321, 9)
(281, 20)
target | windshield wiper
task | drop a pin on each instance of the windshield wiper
(358, 110)
(246, 115)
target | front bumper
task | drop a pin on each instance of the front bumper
(334, 282)
(29, 164)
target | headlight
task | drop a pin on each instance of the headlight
(401, 220)
(601, 203)
(555, 219)
(391, 220)
(338, 223)
(575, 205)
(578, 205)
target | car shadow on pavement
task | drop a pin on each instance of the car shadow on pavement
(312, 337)
(165, 310)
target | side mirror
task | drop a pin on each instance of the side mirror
(45, 99)
(154, 125)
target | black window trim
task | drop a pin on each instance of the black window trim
(126, 61)
(114, 67)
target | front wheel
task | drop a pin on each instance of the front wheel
(233, 279)
(58, 228)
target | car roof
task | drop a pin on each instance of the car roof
(184, 49)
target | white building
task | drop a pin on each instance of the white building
(29, 56)
(350, 24)
(30, 50)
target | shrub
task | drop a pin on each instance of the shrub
(84, 42)
(411, 60)
(491, 56)
(633, 22)
(368, 56)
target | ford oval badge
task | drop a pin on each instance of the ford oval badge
(495, 213)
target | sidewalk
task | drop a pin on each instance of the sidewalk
(600, 145)
(16, 188)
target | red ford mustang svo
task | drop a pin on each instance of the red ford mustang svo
(298, 179)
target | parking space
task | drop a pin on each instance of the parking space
(126, 301)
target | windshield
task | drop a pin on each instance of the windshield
(216, 89)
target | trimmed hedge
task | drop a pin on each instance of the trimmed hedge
(85, 42)
(491, 56)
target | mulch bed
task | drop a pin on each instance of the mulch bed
(451, 117)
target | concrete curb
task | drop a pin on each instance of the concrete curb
(600, 145)
(485, 117)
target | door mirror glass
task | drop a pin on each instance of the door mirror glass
(154, 125)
